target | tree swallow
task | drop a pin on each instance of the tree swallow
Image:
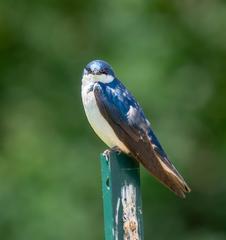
(118, 119)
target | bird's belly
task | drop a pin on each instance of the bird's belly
(98, 122)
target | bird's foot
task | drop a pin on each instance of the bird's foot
(116, 149)
(107, 153)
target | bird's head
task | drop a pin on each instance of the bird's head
(98, 71)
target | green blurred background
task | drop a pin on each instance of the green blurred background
(170, 54)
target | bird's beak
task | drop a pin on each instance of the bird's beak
(95, 71)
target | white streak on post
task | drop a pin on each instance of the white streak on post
(130, 223)
(116, 219)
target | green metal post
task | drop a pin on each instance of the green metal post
(121, 197)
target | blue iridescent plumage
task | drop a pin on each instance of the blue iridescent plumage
(119, 99)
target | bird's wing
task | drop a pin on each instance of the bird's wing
(129, 123)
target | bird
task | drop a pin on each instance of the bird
(119, 121)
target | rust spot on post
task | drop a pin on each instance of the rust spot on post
(130, 223)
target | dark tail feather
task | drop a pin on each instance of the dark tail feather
(177, 185)
(167, 176)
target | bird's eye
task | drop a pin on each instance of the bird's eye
(104, 71)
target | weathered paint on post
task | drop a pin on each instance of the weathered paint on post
(121, 197)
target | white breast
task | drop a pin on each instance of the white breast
(97, 121)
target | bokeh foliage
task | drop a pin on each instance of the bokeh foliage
(170, 54)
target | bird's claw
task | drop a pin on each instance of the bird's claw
(116, 149)
(108, 152)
